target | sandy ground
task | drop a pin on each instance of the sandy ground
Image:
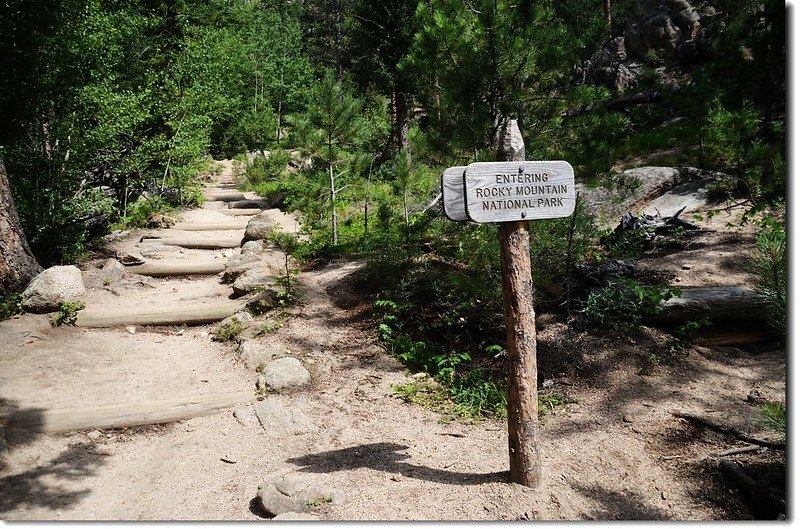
(616, 452)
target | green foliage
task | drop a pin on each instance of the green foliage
(774, 415)
(67, 313)
(10, 305)
(140, 213)
(268, 327)
(623, 306)
(770, 267)
(227, 331)
(288, 244)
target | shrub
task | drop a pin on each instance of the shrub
(67, 313)
(774, 415)
(225, 332)
(622, 307)
(10, 305)
(770, 270)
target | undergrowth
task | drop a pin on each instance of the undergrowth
(67, 313)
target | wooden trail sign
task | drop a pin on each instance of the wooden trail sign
(453, 193)
(509, 191)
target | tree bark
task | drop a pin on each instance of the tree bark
(523, 409)
(17, 264)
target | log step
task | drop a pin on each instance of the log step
(180, 268)
(191, 315)
(223, 196)
(124, 415)
(242, 212)
(195, 242)
(250, 204)
(211, 226)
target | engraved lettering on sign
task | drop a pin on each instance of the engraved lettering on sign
(507, 191)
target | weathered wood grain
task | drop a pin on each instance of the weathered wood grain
(179, 268)
(453, 193)
(523, 406)
(187, 315)
(210, 226)
(223, 196)
(124, 415)
(519, 190)
(197, 242)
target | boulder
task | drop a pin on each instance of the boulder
(284, 373)
(296, 516)
(295, 493)
(48, 289)
(259, 227)
(252, 280)
(667, 27)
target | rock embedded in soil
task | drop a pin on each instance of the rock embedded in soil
(48, 289)
(294, 493)
(238, 264)
(295, 516)
(254, 247)
(280, 417)
(246, 416)
(254, 354)
(285, 373)
(110, 273)
(252, 280)
(259, 227)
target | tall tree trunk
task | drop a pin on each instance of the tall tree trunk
(401, 123)
(17, 264)
(607, 13)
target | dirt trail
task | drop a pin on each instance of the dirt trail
(603, 456)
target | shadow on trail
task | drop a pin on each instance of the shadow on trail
(39, 487)
(387, 457)
(616, 505)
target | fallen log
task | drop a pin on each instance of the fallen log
(728, 430)
(197, 242)
(192, 315)
(242, 212)
(180, 268)
(210, 226)
(713, 303)
(124, 415)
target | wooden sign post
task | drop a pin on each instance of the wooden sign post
(511, 192)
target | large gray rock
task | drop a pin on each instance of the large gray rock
(686, 198)
(284, 373)
(280, 417)
(259, 228)
(252, 280)
(54, 285)
(296, 493)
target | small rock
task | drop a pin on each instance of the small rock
(627, 418)
(419, 376)
(243, 318)
(294, 493)
(246, 416)
(253, 247)
(131, 329)
(254, 354)
(296, 516)
(285, 373)
(94, 435)
(686, 267)
(280, 417)
(128, 259)
(48, 289)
